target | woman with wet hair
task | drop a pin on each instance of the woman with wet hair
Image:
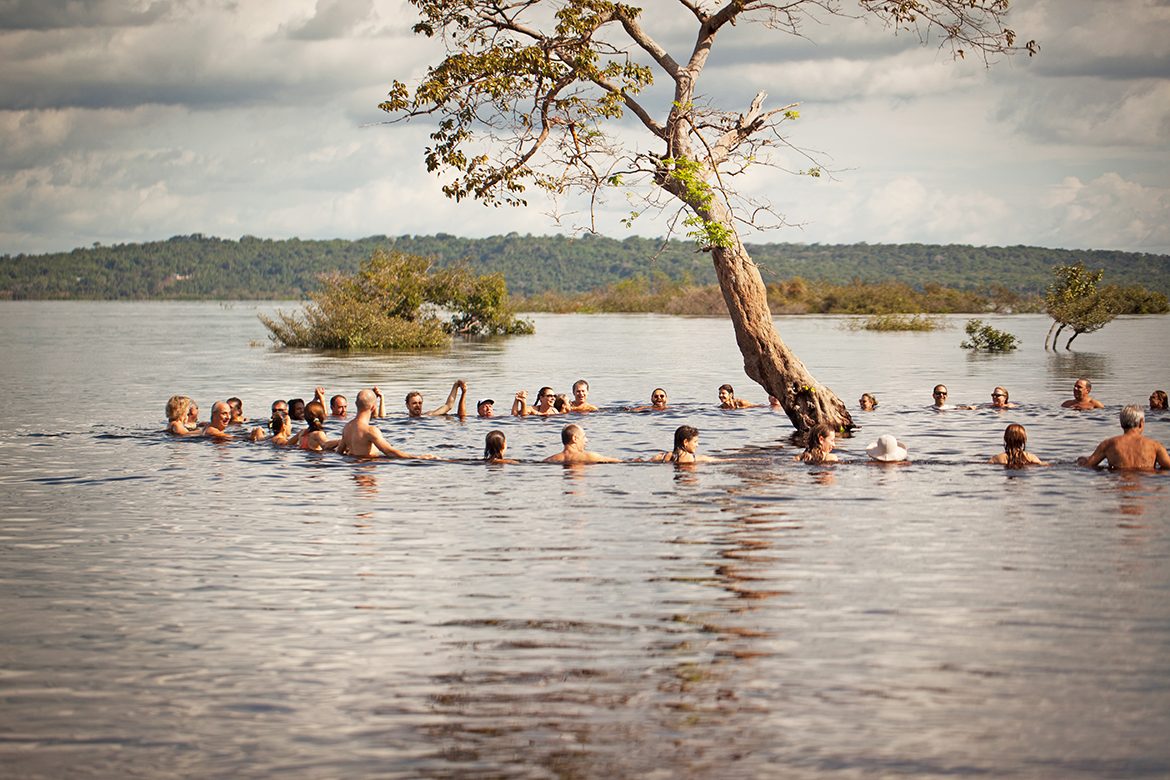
(1014, 455)
(313, 437)
(727, 399)
(821, 440)
(867, 402)
(686, 448)
(1158, 400)
(281, 427)
(495, 444)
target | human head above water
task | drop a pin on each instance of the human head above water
(296, 408)
(338, 405)
(867, 402)
(494, 445)
(658, 397)
(571, 433)
(1158, 400)
(177, 408)
(366, 400)
(1132, 417)
(1014, 437)
(414, 403)
(683, 434)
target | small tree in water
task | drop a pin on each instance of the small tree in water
(533, 93)
(1075, 301)
(988, 339)
(394, 302)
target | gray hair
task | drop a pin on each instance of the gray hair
(1132, 417)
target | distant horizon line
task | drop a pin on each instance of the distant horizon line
(582, 237)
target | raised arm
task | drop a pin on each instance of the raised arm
(319, 396)
(449, 404)
(520, 404)
(381, 410)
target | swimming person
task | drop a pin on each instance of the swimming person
(999, 399)
(821, 440)
(176, 410)
(580, 402)
(237, 407)
(281, 427)
(221, 415)
(940, 394)
(545, 403)
(313, 437)
(338, 406)
(573, 439)
(192, 421)
(414, 402)
(727, 399)
(495, 444)
(1082, 400)
(1130, 450)
(887, 449)
(1158, 400)
(485, 407)
(296, 409)
(657, 402)
(686, 445)
(360, 439)
(867, 402)
(1014, 456)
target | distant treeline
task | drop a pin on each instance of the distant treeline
(201, 267)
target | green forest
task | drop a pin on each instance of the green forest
(198, 267)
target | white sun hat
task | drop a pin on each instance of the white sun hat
(886, 449)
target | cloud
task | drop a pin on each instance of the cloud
(50, 15)
(333, 19)
(1080, 212)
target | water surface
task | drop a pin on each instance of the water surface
(184, 608)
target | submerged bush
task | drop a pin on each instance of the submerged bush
(881, 322)
(987, 338)
(394, 301)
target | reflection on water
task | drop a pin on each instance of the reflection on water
(179, 608)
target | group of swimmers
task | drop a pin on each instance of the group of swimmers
(361, 438)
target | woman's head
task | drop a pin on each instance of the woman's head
(684, 434)
(315, 416)
(726, 394)
(177, 408)
(999, 396)
(1015, 437)
(821, 438)
(494, 445)
(545, 397)
(279, 422)
(867, 402)
(1158, 400)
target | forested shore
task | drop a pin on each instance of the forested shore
(559, 273)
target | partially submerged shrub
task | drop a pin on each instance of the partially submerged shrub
(987, 338)
(394, 302)
(883, 322)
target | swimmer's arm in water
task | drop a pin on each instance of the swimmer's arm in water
(1161, 458)
(319, 396)
(330, 444)
(177, 428)
(1094, 460)
(384, 447)
(520, 405)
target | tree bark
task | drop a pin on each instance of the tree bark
(1051, 328)
(766, 358)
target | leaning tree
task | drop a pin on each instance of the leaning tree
(532, 93)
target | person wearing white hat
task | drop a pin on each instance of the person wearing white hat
(887, 449)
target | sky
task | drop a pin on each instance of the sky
(137, 120)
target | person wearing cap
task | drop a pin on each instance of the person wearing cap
(887, 449)
(485, 407)
(414, 402)
(580, 401)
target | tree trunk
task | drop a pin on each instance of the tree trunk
(1068, 343)
(766, 358)
(1051, 328)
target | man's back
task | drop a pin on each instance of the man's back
(1134, 451)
